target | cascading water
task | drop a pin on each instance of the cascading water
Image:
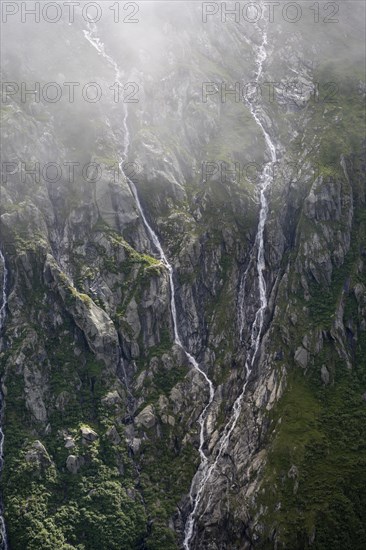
(3, 297)
(3, 537)
(99, 46)
(208, 469)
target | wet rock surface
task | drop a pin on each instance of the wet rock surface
(88, 343)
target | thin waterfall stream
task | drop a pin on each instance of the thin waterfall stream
(3, 536)
(206, 468)
(99, 46)
(257, 327)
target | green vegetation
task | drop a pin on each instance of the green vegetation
(313, 489)
(130, 479)
(320, 431)
(47, 506)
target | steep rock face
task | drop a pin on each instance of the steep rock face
(310, 334)
(101, 406)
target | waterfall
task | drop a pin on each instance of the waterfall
(90, 35)
(3, 537)
(206, 467)
(3, 297)
(257, 327)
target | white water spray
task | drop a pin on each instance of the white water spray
(206, 469)
(3, 537)
(257, 327)
(3, 297)
(90, 35)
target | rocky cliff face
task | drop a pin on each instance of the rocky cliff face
(101, 406)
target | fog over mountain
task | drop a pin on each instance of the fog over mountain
(183, 275)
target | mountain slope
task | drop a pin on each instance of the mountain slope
(100, 404)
